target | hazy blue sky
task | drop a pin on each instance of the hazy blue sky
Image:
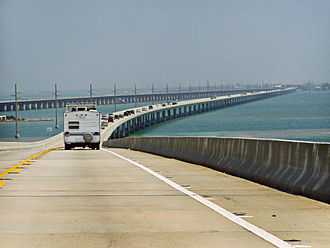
(75, 42)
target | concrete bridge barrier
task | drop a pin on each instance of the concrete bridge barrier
(55, 140)
(295, 167)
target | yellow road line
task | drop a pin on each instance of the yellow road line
(17, 168)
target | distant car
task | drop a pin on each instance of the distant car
(164, 104)
(104, 120)
(110, 119)
(150, 107)
(144, 109)
(129, 112)
(174, 103)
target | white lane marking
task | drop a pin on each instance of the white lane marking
(225, 213)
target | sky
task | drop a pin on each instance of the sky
(162, 42)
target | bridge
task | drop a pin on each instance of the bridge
(179, 192)
(158, 113)
(34, 104)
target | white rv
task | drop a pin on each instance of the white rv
(82, 126)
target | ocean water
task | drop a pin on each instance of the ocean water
(304, 115)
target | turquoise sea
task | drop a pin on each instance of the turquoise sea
(304, 115)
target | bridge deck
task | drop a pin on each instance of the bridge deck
(85, 198)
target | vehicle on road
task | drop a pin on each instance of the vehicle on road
(104, 120)
(82, 126)
(129, 112)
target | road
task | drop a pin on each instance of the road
(87, 198)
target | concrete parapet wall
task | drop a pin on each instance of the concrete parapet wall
(295, 167)
(49, 142)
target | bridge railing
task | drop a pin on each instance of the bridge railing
(293, 166)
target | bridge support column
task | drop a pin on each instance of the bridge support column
(162, 115)
(174, 113)
(124, 130)
(138, 123)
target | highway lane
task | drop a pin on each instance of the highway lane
(300, 221)
(11, 153)
(88, 198)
